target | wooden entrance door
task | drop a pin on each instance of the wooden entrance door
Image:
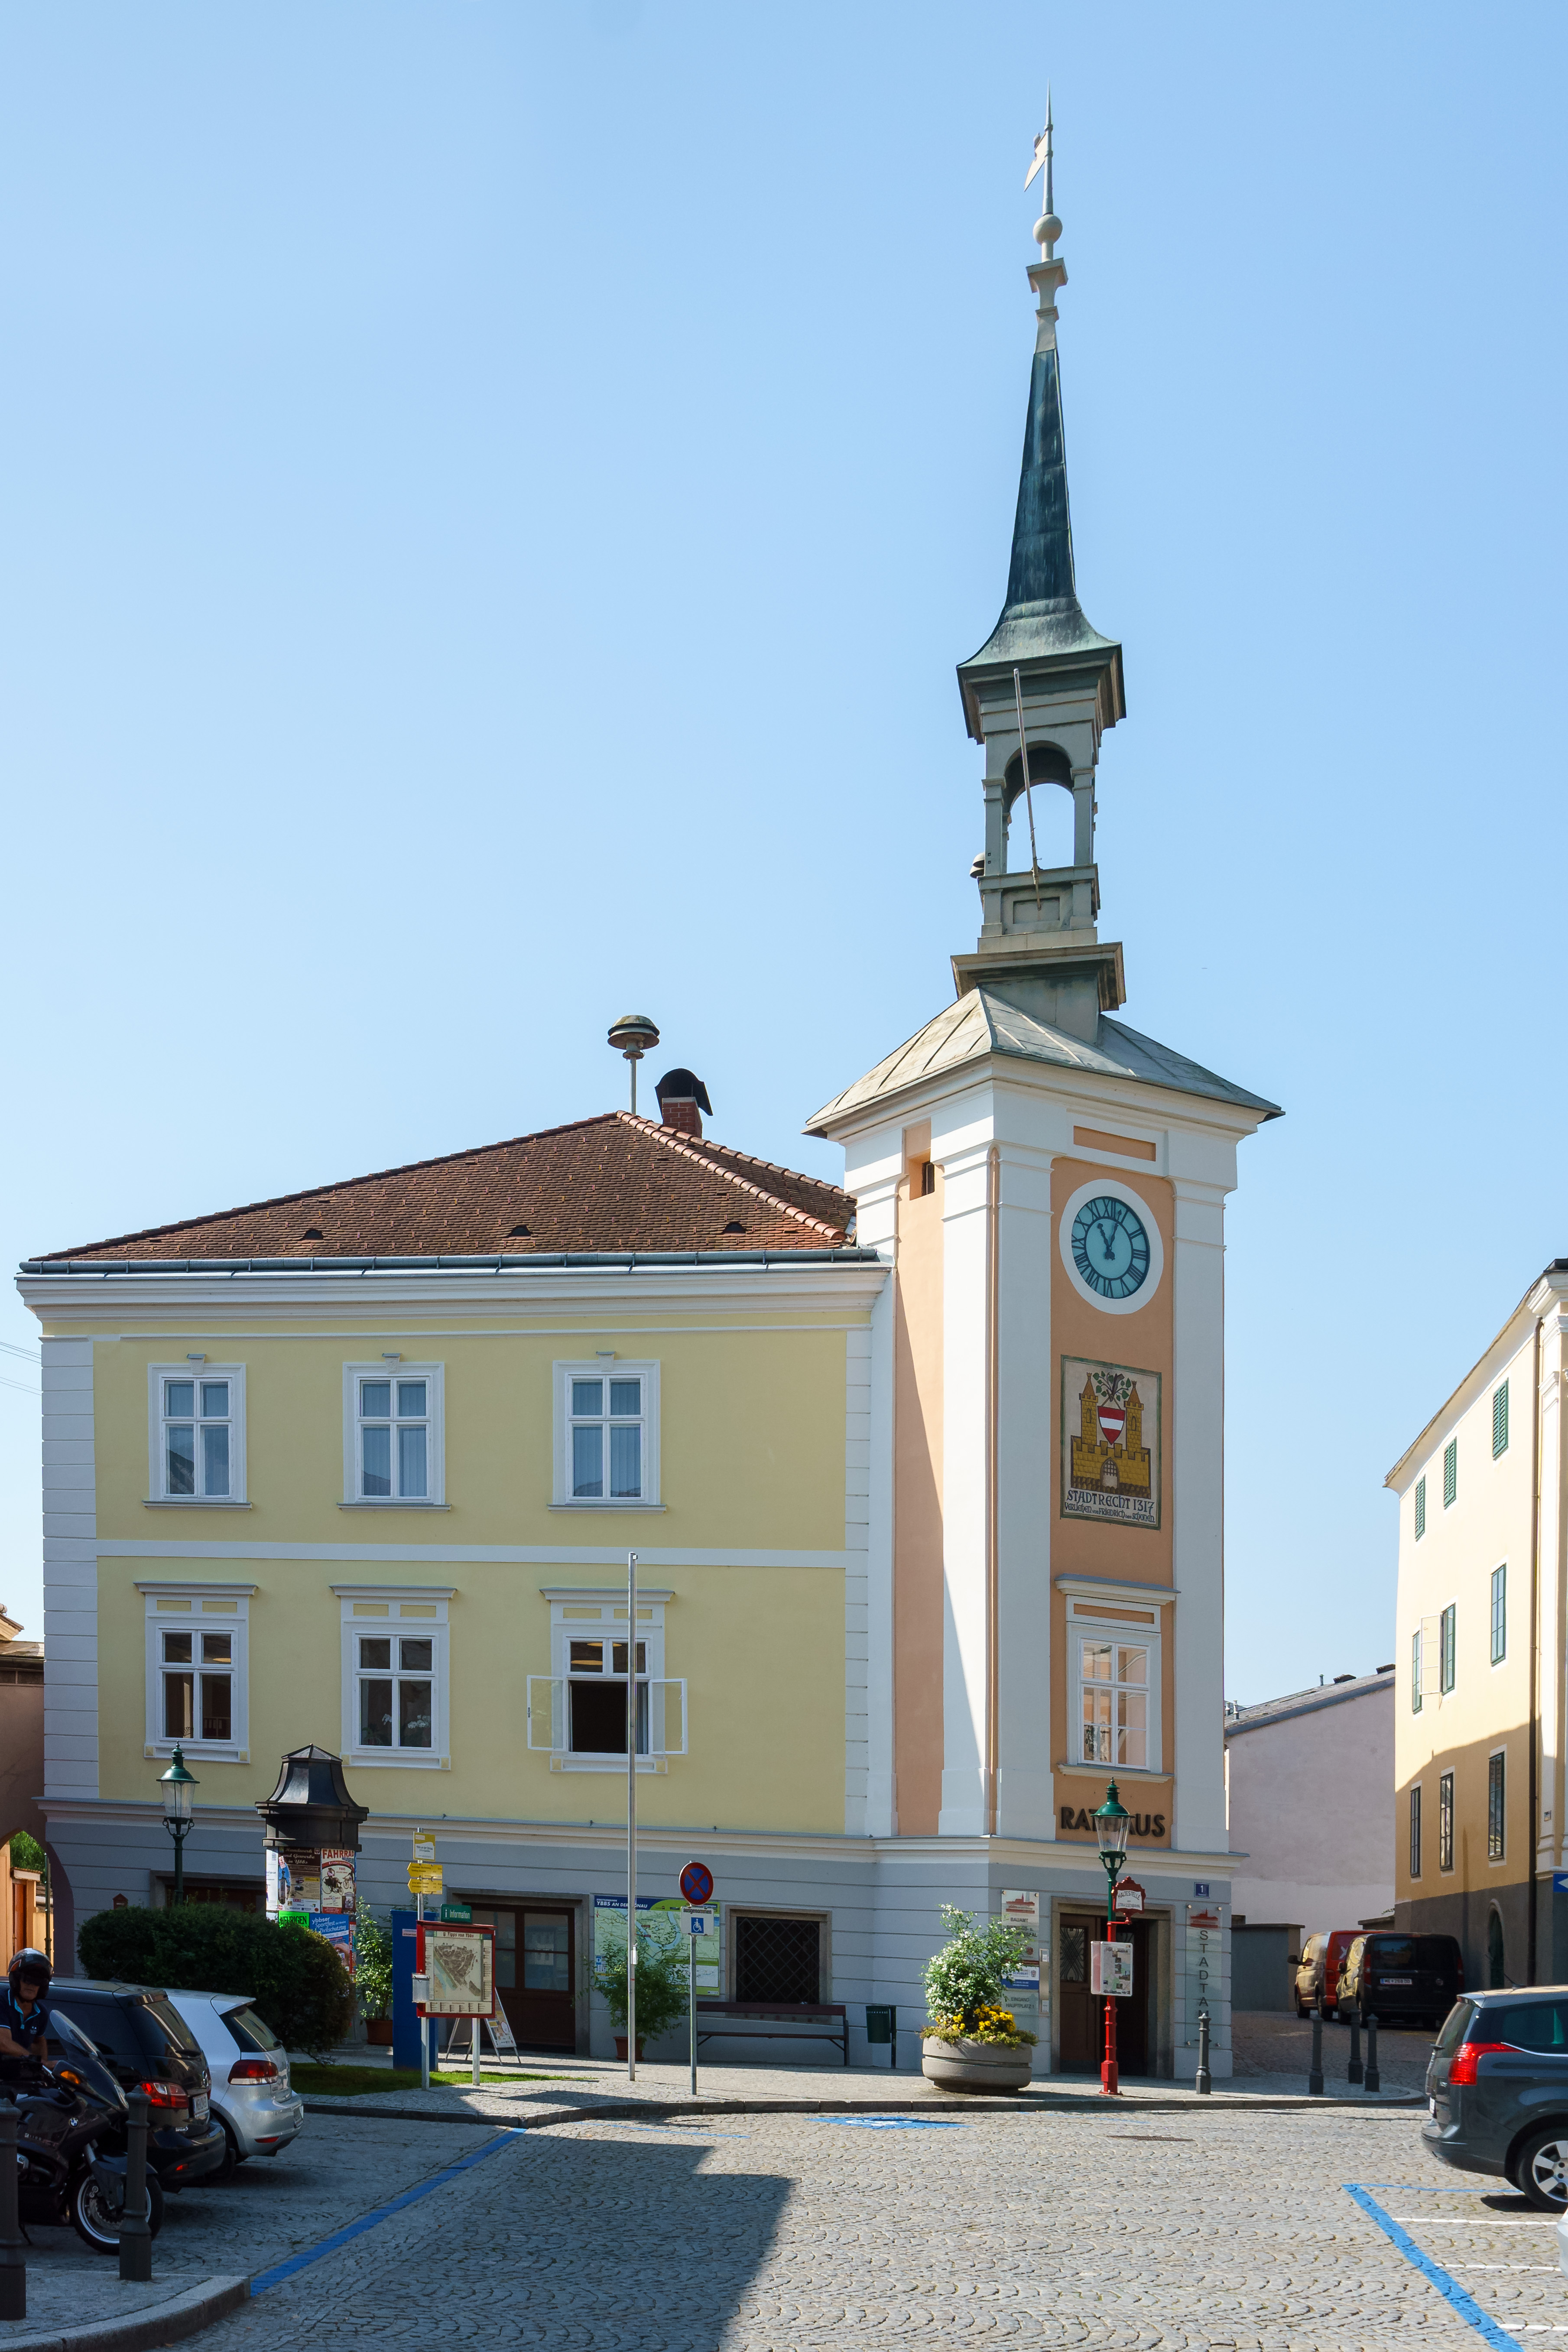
(1081, 2016)
(536, 1973)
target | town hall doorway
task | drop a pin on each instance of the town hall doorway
(1081, 2014)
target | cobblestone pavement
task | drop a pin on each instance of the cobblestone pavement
(1207, 2228)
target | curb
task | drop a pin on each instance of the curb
(159, 2323)
(650, 2110)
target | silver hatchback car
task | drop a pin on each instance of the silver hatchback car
(249, 2070)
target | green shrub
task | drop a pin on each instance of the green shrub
(963, 1980)
(296, 1978)
(372, 1964)
(27, 1854)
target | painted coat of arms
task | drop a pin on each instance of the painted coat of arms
(1111, 1443)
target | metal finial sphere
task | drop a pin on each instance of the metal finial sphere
(1047, 229)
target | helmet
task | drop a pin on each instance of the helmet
(29, 1963)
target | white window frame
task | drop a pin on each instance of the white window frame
(393, 1368)
(420, 1612)
(194, 1368)
(1131, 1637)
(599, 1613)
(180, 1606)
(606, 1368)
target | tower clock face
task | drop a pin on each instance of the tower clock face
(1110, 1246)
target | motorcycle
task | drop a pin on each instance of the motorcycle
(71, 2118)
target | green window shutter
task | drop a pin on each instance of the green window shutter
(1420, 1509)
(1445, 1665)
(1500, 1614)
(1416, 1671)
(1451, 1471)
(1500, 1420)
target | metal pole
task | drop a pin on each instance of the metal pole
(424, 2021)
(1353, 2074)
(1315, 2071)
(179, 1829)
(1374, 2079)
(135, 2236)
(691, 2003)
(1205, 2080)
(632, 1791)
(1109, 2079)
(13, 2259)
(475, 2053)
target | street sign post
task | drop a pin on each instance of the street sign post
(424, 1878)
(696, 1883)
(697, 1886)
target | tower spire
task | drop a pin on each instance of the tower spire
(1041, 618)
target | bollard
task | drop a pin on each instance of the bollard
(1315, 2073)
(135, 2238)
(1374, 2079)
(1205, 2080)
(12, 2260)
(1354, 2073)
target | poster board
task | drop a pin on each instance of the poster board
(1111, 1970)
(460, 1963)
(660, 1925)
(338, 1927)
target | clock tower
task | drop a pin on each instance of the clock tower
(1045, 1597)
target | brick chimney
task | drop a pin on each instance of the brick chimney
(682, 1099)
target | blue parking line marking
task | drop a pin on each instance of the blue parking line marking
(1436, 2275)
(894, 2123)
(505, 2137)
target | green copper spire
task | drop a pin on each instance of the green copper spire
(1042, 621)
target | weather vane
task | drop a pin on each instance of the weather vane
(1048, 228)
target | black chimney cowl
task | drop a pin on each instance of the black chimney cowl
(311, 1806)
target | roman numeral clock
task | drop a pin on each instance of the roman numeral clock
(1110, 1247)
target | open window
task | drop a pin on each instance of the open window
(578, 1713)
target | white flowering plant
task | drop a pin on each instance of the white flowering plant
(964, 1981)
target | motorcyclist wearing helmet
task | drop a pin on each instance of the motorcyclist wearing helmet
(24, 2014)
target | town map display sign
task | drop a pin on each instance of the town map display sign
(1111, 1443)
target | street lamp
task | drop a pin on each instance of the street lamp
(1111, 1823)
(176, 1784)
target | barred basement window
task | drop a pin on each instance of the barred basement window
(1500, 1420)
(1500, 1614)
(778, 1959)
(1495, 1806)
(1450, 1618)
(1445, 1822)
(1420, 1509)
(1451, 1471)
(1416, 1831)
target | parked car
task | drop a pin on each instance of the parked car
(249, 2070)
(1318, 1977)
(147, 2046)
(1401, 1979)
(1497, 2091)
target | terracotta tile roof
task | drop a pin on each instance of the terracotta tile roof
(613, 1182)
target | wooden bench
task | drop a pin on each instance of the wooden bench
(826, 2021)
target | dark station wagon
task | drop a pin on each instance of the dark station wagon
(147, 2046)
(1497, 2088)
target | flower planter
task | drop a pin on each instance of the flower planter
(378, 2033)
(621, 2047)
(974, 2065)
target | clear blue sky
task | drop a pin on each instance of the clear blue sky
(495, 497)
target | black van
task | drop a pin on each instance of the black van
(1401, 1979)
